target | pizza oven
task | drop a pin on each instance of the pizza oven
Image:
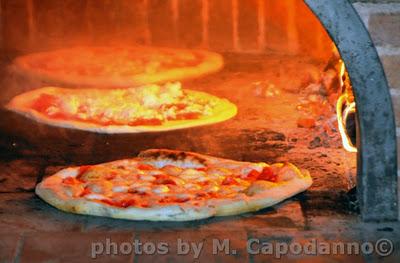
(304, 75)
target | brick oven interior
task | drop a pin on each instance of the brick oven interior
(282, 71)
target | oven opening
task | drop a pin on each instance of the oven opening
(283, 73)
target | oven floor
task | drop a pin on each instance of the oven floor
(32, 231)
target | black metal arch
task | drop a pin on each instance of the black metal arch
(376, 140)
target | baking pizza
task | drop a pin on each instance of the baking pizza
(148, 108)
(124, 66)
(168, 185)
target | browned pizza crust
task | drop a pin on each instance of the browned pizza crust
(211, 62)
(21, 104)
(259, 195)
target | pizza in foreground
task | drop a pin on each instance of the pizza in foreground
(123, 66)
(148, 108)
(167, 185)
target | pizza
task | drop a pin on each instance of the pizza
(148, 108)
(123, 66)
(169, 185)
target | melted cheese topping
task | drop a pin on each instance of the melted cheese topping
(146, 105)
(132, 183)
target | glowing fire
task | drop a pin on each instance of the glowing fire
(346, 102)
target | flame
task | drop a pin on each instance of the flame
(345, 100)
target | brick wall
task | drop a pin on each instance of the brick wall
(230, 25)
(382, 18)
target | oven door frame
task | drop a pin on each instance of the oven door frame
(376, 131)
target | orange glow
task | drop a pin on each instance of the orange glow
(344, 106)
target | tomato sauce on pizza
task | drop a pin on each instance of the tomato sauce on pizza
(160, 186)
(172, 185)
(151, 105)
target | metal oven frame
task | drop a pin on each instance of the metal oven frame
(376, 133)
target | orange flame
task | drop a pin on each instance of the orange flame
(345, 101)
